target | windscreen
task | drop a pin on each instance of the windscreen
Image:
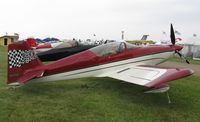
(111, 48)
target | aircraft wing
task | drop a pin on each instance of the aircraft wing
(150, 76)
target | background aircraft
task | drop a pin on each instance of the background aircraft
(41, 47)
(59, 53)
(144, 37)
(68, 48)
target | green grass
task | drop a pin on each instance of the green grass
(3, 64)
(178, 59)
(97, 99)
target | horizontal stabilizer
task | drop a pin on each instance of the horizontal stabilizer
(30, 75)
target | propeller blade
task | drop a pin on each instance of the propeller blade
(178, 53)
(172, 35)
(183, 57)
(173, 41)
(187, 61)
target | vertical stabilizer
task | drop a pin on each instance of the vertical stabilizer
(21, 59)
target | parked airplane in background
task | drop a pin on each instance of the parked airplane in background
(59, 53)
(144, 37)
(118, 60)
(41, 47)
(63, 50)
(68, 48)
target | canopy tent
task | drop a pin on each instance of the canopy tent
(191, 47)
(190, 41)
(39, 40)
(50, 40)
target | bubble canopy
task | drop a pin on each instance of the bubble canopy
(112, 48)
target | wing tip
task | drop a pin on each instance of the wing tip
(170, 75)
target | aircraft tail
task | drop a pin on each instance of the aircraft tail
(144, 37)
(22, 63)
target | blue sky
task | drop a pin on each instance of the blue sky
(105, 18)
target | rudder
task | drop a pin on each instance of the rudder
(21, 57)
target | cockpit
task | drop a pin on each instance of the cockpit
(111, 48)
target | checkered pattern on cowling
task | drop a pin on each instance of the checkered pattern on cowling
(19, 57)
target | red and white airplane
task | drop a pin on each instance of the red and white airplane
(41, 47)
(118, 60)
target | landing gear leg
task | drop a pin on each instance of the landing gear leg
(169, 101)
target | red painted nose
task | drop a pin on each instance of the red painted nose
(178, 47)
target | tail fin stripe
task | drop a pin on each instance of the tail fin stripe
(17, 58)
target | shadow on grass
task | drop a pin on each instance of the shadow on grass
(104, 87)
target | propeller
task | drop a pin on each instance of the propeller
(173, 41)
(183, 57)
(172, 35)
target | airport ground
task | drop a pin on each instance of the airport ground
(99, 99)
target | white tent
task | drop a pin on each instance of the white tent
(191, 47)
(190, 41)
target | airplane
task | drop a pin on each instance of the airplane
(118, 60)
(41, 47)
(68, 48)
(144, 37)
(63, 50)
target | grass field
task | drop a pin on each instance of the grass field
(103, 99)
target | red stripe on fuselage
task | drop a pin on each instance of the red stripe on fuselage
(88, 59)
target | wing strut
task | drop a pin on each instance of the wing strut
(162, 89)
(169, 101)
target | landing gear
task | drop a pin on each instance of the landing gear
(169, 101)
(162, 89)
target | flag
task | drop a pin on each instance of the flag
(178, 39)
(177, 33)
